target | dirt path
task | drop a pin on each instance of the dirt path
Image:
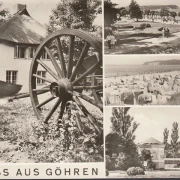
(12, 153)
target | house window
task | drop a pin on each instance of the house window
(32, 52)
(45, 55)
(19, 52)
(41, 81)
(11, 77)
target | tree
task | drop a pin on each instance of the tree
(179, 14)
(174, 14)
(123, 12)
(123, 123)
(76, 14)
(146, 155)
(4, 13)
(166, 134)
(175, 137)
(109, 13)
(121, 139)
(134, 10)
(164, 12)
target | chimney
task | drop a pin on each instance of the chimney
(20, 7)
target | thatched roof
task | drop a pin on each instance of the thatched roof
(150, 141)
(22, 28)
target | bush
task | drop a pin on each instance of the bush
(146, 25)
(127, 161)
(151, 165)
(133, 171)
(123, 26)
(143, 25)
(110, 165)
(140, 171)
(160, 29)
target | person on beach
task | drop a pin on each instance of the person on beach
(163, 32)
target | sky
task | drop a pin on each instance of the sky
(40, 10)
(152, 120)
(123, 3)
(136, 59)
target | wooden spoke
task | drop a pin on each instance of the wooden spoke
(48, 69)
(61, 57)
(70, 56)
(94, 92)
(91, 101)
(86, 87)
(54, 62)
(97, 96)
(86, 113)
(80, 60)
(52, 111)
(89, 71)
(41, 90)
(63, 105)
(43, 78)
(45, 102)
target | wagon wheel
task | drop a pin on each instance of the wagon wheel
(73, 55)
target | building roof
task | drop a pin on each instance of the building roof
(22, 28)
(150, 140)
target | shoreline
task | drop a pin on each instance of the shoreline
(116, 78)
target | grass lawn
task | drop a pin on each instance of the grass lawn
(148, 174)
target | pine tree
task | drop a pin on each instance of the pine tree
(174, 138)
(135, 11)
(166, 134)
(76, 14)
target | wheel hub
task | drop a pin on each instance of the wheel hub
(62, 89)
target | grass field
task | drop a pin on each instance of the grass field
(147, 41)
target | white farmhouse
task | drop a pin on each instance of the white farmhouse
(19, 39)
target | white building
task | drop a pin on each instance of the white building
(157, 150)
(19, 38)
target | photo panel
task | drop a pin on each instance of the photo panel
(141, 27)
(51, 82)
(142, 80)
(142, 142)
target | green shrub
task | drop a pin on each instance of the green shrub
(133, 171)
(127, 161)
(140, 171)
(110, 165)
(143, 25)
(151, 165)
(148, 25)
